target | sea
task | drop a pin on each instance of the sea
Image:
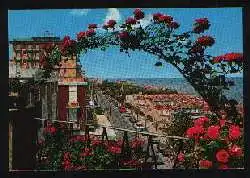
(181, 85)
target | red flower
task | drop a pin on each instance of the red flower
(195, 132)
(222, 156)
(200, 121)
(138, 14)
(165, 18)
(205, 164)
(91, 26)
(52, 130)
(223, 166)
(156, 16)
(136, 143)
(96, 142)
(122, 109)
(222, 122)
(123, 35)
(234, 132)
(201, 25)
(111, 23)
(205, 41)
(236, 151)
(90, 32)
(233, 57)
(66, 38)
(181, 157)
(66, 155)
(218, 59)
(81, 35)
(114, 149)
(131, 21)
(67, 165)
(213, 132)
(174, 25)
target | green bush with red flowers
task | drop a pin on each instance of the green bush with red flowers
(59, 151)
(214, 143)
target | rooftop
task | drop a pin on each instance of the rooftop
(37, 39)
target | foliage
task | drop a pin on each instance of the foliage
(60, 151)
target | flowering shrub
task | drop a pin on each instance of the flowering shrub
(60, 151)
(217, 144)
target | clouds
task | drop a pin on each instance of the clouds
(114, 14)
(79, 12)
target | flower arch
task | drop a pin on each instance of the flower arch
(186, 52)
(219, 139)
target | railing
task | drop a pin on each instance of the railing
(104, 136)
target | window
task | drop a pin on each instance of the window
(72, 93)
(72, 114)
(18, 56)
(37, 46)
(72, 97)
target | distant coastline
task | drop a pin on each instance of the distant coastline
(181, 85)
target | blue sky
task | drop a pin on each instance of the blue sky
(226, 28)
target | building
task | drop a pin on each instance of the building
(63, 96)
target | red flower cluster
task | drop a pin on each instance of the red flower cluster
(122, 109)
(234, 132)
(131, 21)
(91, 26)
(110, 24)
(174, 25)
(165, 18)
(67, 165)
(222, 156)
(205, 164)
(181, 157)
(81, 35)
(195, 132)
(96, 142)
(205, 41)
(67, 43)
(123, 35)
(213, 132)
(137, 143)
(201, 121)
(78, 138)
(114, 149)
(50, 130)
(236, 151)
(201, 25)
(229, 57)
(90, 32)
(156, 16)
(86, 152)
(138, 14)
